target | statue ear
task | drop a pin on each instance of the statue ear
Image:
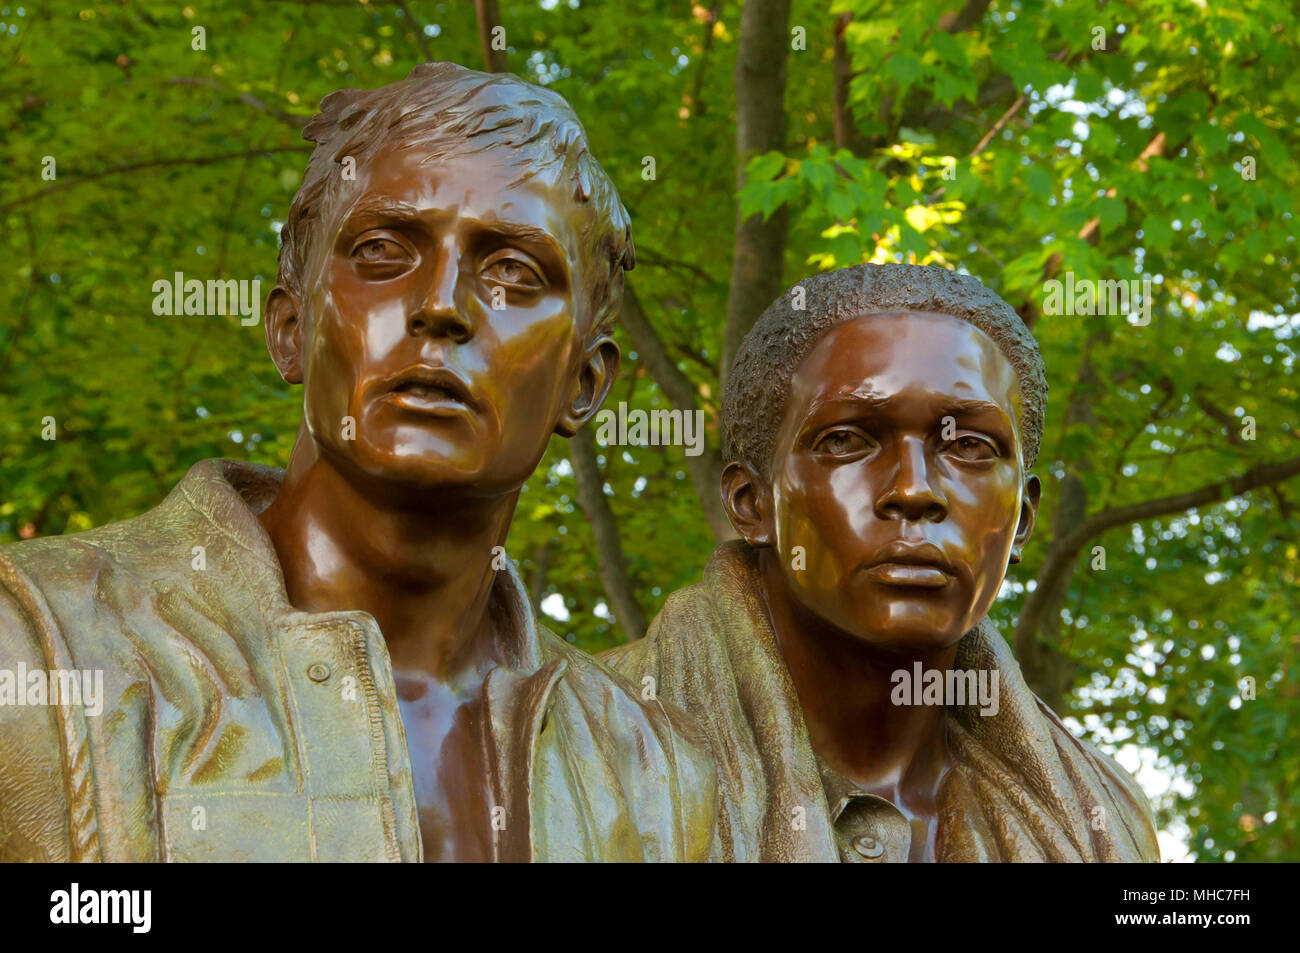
(1028, 514)
(596, 377)
(284, 333)
(747, 502)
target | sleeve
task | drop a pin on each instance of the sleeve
(34, 815)
(695, 768)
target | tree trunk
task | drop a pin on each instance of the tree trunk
(612, 567)
(489, 18)
(705, 469)
(537, 578)
(759, 250)
(846, 130)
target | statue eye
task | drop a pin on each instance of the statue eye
(973, 449)
(374, 251)
(513, 270)
(843, 443)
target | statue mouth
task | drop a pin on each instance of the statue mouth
(906, 564)
(431, 388)
(908, 576)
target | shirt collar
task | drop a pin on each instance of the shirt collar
(840, 791)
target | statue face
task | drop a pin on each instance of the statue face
(907, 520)
(443, 312)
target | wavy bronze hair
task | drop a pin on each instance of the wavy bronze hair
(448, 110)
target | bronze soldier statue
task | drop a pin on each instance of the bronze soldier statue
(338, 661)
(879, 424)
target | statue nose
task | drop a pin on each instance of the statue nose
(911, 494)
(439, 313)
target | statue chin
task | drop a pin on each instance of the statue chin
(891, 621)
(909, 639)
(429, 463)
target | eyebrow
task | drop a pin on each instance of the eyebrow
(963, 406)
(384, 208)
(381, 207)
(971, 407)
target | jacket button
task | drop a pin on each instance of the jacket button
(868, 847)
(318, 672)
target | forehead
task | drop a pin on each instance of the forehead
(906, 355)
(492, 187)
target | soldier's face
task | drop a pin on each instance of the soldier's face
(444, 332)
(897, 481)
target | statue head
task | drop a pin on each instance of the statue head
(450, 273)
(879, 423)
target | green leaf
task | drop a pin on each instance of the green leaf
(904, 68)
(1038, 180)
(1112, 212)
(1156, 234)
(1213, 138)
(765, 167)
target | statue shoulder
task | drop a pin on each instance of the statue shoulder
(54, 563)
(1126, 795)
(627, 659)
(676, 635)
(635, 720)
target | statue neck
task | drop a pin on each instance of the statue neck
(845, 686)
(420, 564)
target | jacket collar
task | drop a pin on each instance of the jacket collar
(226, 496)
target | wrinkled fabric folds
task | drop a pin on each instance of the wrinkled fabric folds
(1022, 787)
(235, 727)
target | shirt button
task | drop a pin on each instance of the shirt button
(868, 847)
(318, 672)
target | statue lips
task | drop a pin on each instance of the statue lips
(911, 565)
(434, 390)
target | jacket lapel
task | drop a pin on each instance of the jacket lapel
(517, 697)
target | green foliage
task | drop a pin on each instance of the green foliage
(1128, 161)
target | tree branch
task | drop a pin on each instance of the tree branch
(1064, 551)
(707, 18)
(958, 21)
(705, 469)
(997, 126)
(149, 164)
(1266, 474)
(648, 256)
(247, 99)
(419, 32)
(1229, 423)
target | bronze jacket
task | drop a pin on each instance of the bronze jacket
(1022, 787)
(235, 727)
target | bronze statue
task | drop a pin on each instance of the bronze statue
(879, 425)
(339, 662)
